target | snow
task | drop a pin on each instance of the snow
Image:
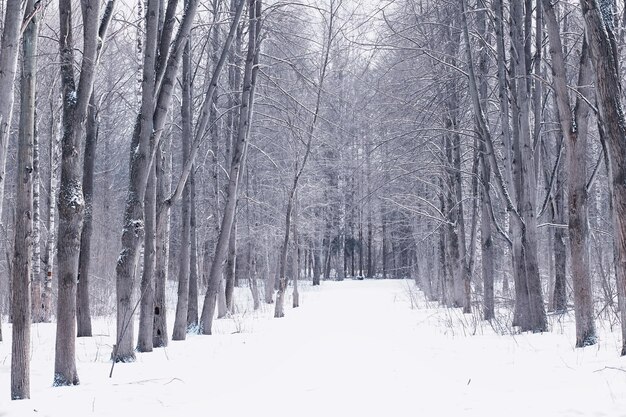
(353, 348)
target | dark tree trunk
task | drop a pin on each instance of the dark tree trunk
(83, 313)
(529, 298)
(71, 201)
(317, 264)
(192, 308)
(576, 135)
(230, 267)
(162, 247)
(560, 251)
(23, 247)
(180, 321)
(146, 304)
(603, 55)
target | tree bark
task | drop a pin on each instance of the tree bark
(164, 179)
(36, 281)
(46, 280)
(9, 48)
(603, 55)
(192, 304)
(23, 248)
(559, 300)
(83, 313)
(71, 200)
(146, 305)
(182, 305)
(296, 257)
(503, 101)
(529, 298)
(574, 125)
(230, 266)
(486, 237)
(317, 263)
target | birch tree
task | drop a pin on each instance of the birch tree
(9, 48)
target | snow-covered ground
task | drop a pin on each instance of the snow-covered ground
(353, 348)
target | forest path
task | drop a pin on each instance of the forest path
(354, 348)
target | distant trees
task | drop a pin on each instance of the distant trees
(521, 210)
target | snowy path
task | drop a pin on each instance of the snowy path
(354, 348)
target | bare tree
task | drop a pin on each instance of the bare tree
(238, 160)
(157, 89)
(23, 248)
(182, 305)
(575, 126)
(76, 96)
(599, 32)
(83, 313)
(125, 319)
(299, 167)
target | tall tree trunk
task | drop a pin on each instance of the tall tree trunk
(252, 276)
(578, 225)
(46, 280)
(83, 313)
(230, 267)
(529, 298)
(192, 304)
(234, 103)
(162, 248)
(456, 216)
(71, 201)
(146, 304)
(296, 261)
(182, 305)
(9, 48)
(503, 101)
(603, 55)
(237, 165)
(486, 237)
(146, 289)
(157, 89)
(23, 248)
(36, 282)
(317, 263)
(464, 284)
(251, 258)
(559, 300)
(576, 135)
